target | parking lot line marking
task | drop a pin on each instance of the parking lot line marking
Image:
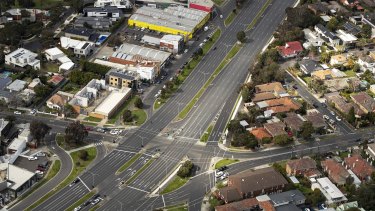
(84, 184)
(162, 196)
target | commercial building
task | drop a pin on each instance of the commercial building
(22, 58)
(112, 103)
(107, 11)
(98, 23)
(204, 5)
(172, 20)
(172, 43)
(87, 94)
(120, 79)
(122, 4)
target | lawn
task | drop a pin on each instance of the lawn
(218, 2)
(89, 123)
(350, 73)
(61, 142)
(261, 11)
(123, 108)
(221, 66)
(92, 119)
(140, 116)
(176, 183)
(207, 134)
(42, 4)
(230, 18)
(81, 201)
(225, 162)
(158, 103)
(127, 164)
(79, 166)
(50, 67)
(307, 79)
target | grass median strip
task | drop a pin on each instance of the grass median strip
(225, 162)
(230, 18)
(81, 201)
(176, 183)
(131, 179)
(207, 134)
(94, 207)
(79, 165)
(127, 164)
(226, 60)
(259, 14)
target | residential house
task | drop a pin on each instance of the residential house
(316, 120)
(351, 28)
(340, 59)
(22, 58)
(329, 190)
(303, 166)
(275, 128)
(263, 96)
(280, 105)
(308, 66)
(312, 39)
(356, 19)
(288, 200)
(81, 33)
(348, 205)
(59, 100)
(120, 79)
(98, 23)
(17, 86)
(56, 79)
(323, 74)
(54, 54)
(36, 82)
(15, 14)
(353, 4)
(327, 35)
(275, 87)
(80, 48)
(364, 101)
(290, 49)
(360, 167)
(250, 184)
(246, 204)
(336, 172)
(348, 40)
(370, 151)
(293, 121)
(367, 62)
(107, 11)
(318, 8)
(260, 133)
(340, 103)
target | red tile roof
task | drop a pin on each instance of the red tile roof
(56, 79)
(359, 166)
(275, 128)
(302, 164)
(290, 48)
(238, 206)
(336, 172)
(260, 133)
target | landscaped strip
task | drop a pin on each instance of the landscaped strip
(81, 201)
(131, 179)
(230, 18)
(189, 68)
(123, 108)
(207, 134)
(129, 163)
(221, 66)
(218, 2)
(77, 169)
(175, 184)
(225, 162)
(94, 207)
(259, 14)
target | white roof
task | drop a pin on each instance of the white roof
(16, 174)
(54, 51)
(66, 42)
(16, 144)
(294, 179)
(243, 123)
(66, 66)
(151, 40)
(356, 181)
(330, 188)
(144, 51)
(170, 37)
(64, 59)
(346, 37)
(326, 18)
(17, 85)
(22, 54)
(112, 101)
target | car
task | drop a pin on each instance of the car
(185, 63)
(226, 174)
(332, 121)
(325, 117)
(78, 208)
(186, 50)
(222, 177)
(87, 203)
(306, 209)
(33, 111)
(40, 154)
(295, 86)
(221, 16)
(338, 118)
(219, 173)
(100, 130)
(315, 105)
(114, 132)
(322, 206)
(32, 158)
(17, 112)
(323, 105)
(95, 201)
(215, 48)
(371, 141)
(74, 182)
(332, 112)
(96, 196)
(222, 168)
(201, 45)
(205, 40)
(88, 128)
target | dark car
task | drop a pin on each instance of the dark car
(215, 48)
(315, 105)
(223, 168)
(74, 182)
(86, 203)
(295, 86)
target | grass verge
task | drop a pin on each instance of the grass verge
(259, 14)
(79, 165)
(224, 162)
(176, 183)
(89, 123)
(207, 133)
(221, 66)
(123, 108)
(230, 18)
(127, 164)
(92, 119)
(81, 201)
(94, 207)
(131, 179)
(158, 103)
(218, 2)
(140, 116)
(61, 142)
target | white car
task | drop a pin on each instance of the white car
(39, 172)
(95, 201)
(338, 118)
(17, 112)
(40, 154)
(325, 117)
(222, 177)
(114, 132)
(33, 158)
(219, 173)
(333, 113)
(186, 50)
(32, 112)
(78, 208)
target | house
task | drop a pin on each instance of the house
(250, 184)
(80, 48)
(294, 197)
(22, 58)
(120, 79)
(244, 123)
(366, 62)
(98, 23)
(308, 66)
(327, 35)
(280, 105)
(348, 205)
(59, 100)
(347, 39)
(318, 8)
(251, 203)
(370, 151)
(17, 86)
(336, 172)
(360, 167)
(56, 79)
(260, 133)
(352, 28)
(293, 121)
(15, 14)
(53, 54)
(312, 39)
(340, 104)
(107, 11)
(329, 190)
(36, 82)
(81, 33)
(364, 101)
(322, 74)
(356, 19)
(316, 120)
(275, 87)
(4, 127)
(340, 59)
(275, 128)
(291, 49)
(263, 96)
(303, 166)
(87, 95)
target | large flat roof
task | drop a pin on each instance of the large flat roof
(153, 54)
(330, 188)
(16, 175)
(111, 101)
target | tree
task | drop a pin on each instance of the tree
(42, 91)
(366, 31)
(185, 169)
(282, 140)
(75, 133)
(356, 68)
(307, 130)
(316, 197)
(332, 24)
(241, 36)
(38, 130)
(83, 154)
(138, 103)
(366, 196)
(25, 13)
(10, 118)
(127, 116)
(351, 115)
(235, 127)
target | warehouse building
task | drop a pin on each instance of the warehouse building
(176, 20)
(112, 103)
(172, 43)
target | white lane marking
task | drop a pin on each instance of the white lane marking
(162, 196)
(84, 184)
(138, 189)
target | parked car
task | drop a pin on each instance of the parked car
(40, 154)
(223, 168)
(33, 158)
(33, 111)
(88, 128)
(325, 117)
(17, 112)
(338, 118)
(95, 201)
(219, 173)
(333, 113)
(78, 208)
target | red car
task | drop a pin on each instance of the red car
(88, 128)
